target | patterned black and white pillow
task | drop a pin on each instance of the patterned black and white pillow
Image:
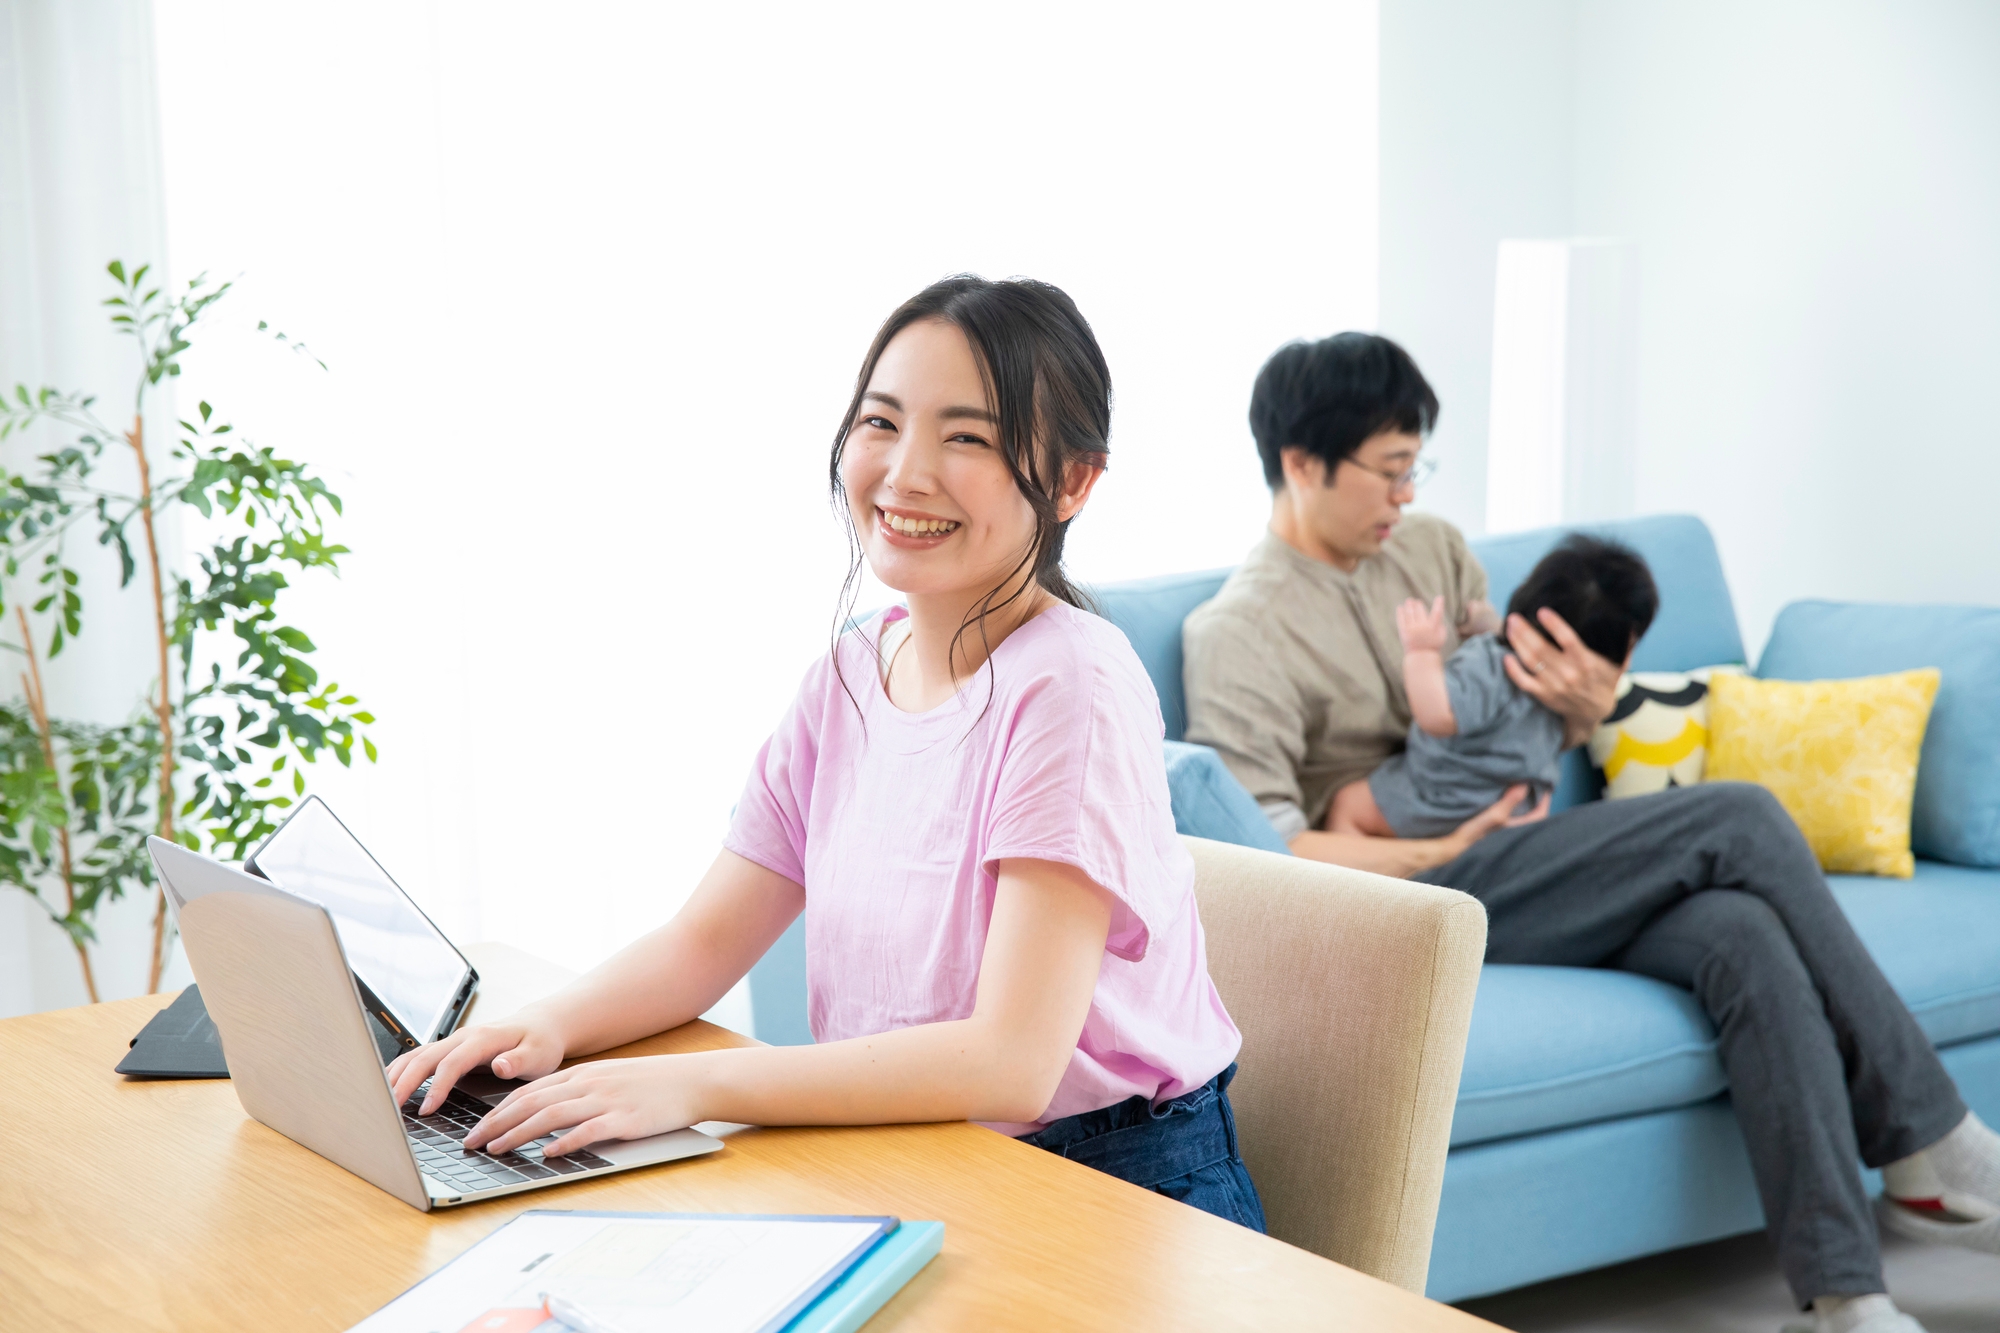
(1657, 735)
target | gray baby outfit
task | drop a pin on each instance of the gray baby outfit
(1504, 737)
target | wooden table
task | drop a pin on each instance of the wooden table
(160, 1205)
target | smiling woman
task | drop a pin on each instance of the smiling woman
(979, 425)
(1000, 920)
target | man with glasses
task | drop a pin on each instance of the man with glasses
(1294, 671)
(1294, 675)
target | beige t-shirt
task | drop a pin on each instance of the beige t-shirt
(1294, 670)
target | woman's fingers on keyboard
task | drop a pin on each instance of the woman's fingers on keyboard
(585, 1134)
(473, 1049)
(518, 1105)
(562, 1115)
(445, 1061)
(411, 1068)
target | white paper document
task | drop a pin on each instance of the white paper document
(635, 1272)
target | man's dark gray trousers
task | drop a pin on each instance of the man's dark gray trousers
(1713, 888)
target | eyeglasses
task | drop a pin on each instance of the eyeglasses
(1420, 472)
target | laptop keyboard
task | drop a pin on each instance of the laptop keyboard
(437, 1141)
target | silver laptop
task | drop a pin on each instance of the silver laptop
(278, 985)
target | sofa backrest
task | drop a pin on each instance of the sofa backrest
(1150, 611)
(1956, 813)
(1696, 625)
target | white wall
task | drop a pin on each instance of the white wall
(1477, 107)
(1814, 193)
(594, 282)
(1815, 189)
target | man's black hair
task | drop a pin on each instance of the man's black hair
(1602, 589)
(1330, 396)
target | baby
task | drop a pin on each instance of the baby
(1475, 734)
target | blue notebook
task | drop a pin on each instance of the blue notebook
(866, 1287)
(668, 1273)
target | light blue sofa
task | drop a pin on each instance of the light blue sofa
(1593, 1123)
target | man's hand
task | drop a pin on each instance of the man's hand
(1498, 815)
(1422, 627)
(1564, 677)
(1537, 814)
(1405, 857)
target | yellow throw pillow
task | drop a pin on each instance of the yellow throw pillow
(1657, 735)
(1840, 755)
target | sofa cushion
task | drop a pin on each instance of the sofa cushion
(1150, 611)
(1553, 1046)
(1840, 756)
(1556, 1046)
(1937, 939)
(1210, 803)
(1956, 816)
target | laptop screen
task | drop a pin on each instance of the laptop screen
(406, 961)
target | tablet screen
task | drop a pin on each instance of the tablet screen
(406, 961)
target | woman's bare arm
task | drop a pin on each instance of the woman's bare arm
(659, 981)
(1002, 1063)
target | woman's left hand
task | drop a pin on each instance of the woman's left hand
(595, 1101)
(1565, 677)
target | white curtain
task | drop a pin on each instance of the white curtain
(79, 185)
(593, 281)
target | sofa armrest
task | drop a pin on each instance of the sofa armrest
(1354, 994)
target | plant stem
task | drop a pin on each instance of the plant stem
(165, 708)
(38, 707)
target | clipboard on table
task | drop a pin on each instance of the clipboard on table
(650, 1272)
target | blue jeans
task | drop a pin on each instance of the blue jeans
(1184, 1149)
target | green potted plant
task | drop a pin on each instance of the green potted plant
(213, 756)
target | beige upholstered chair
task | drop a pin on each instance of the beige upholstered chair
(1353, 992)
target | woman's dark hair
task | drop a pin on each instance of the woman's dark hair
(1602, 589)
(1329, 397)
(1050, 389)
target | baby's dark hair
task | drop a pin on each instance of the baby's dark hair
(1602, 589)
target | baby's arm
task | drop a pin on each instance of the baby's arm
(1422, 629)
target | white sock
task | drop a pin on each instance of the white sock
(1846, 1314)
(1957, 1178)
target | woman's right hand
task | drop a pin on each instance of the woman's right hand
(522, 1048)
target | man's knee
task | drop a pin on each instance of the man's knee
(1748, 949)
(1739, 803)
(1750, 815)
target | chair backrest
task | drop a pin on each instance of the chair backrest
(1354, 994)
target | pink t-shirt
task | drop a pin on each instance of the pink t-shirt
(896, 823)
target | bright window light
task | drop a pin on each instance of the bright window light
(593, 282)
